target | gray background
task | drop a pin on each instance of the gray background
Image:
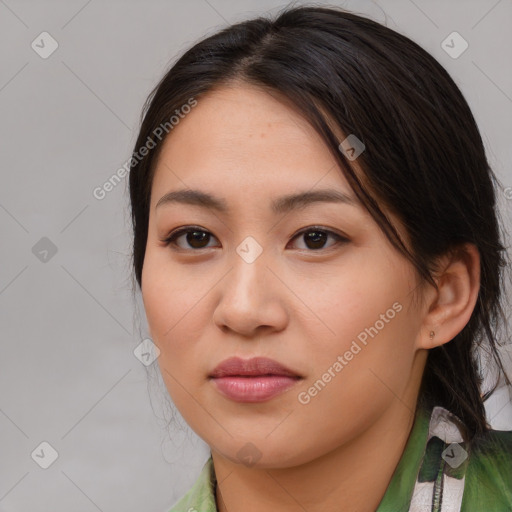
(68, 375)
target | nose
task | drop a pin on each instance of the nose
(252, 299)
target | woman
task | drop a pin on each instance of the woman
(318, 250)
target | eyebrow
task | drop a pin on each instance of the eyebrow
(282, 204)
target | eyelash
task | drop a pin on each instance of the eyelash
(171, 239)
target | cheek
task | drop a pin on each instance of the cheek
(175, 307)
(361, 371)
(371, 325)
(169, 314)
(171, 296)
(359, 301)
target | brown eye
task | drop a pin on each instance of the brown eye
(195, 238)
(315, 238)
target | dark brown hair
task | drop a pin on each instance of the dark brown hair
(424, 158)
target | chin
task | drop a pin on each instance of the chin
(264, 454)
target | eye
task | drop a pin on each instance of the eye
(316, 236)
(196, 237)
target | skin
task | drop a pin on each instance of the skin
(298, 305)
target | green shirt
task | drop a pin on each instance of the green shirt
(437, 472)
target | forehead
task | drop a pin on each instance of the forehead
(244, 135)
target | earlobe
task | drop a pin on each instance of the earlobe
(453, 303)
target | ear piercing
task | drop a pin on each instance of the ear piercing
(432, 334)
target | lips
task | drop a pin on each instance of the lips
(257, 366)
(252, 380)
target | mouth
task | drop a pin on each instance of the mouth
(252, 380)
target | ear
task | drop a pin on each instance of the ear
(450, 307)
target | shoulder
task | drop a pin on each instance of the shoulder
(471, 476)
(489, 472)
(495, 446)
(201, 496)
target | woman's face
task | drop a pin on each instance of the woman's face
(312, 284)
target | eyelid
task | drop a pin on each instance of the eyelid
(340, 239)
(176, 233)
(318, 227)
(171, 238)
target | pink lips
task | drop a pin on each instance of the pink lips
(252, 380)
